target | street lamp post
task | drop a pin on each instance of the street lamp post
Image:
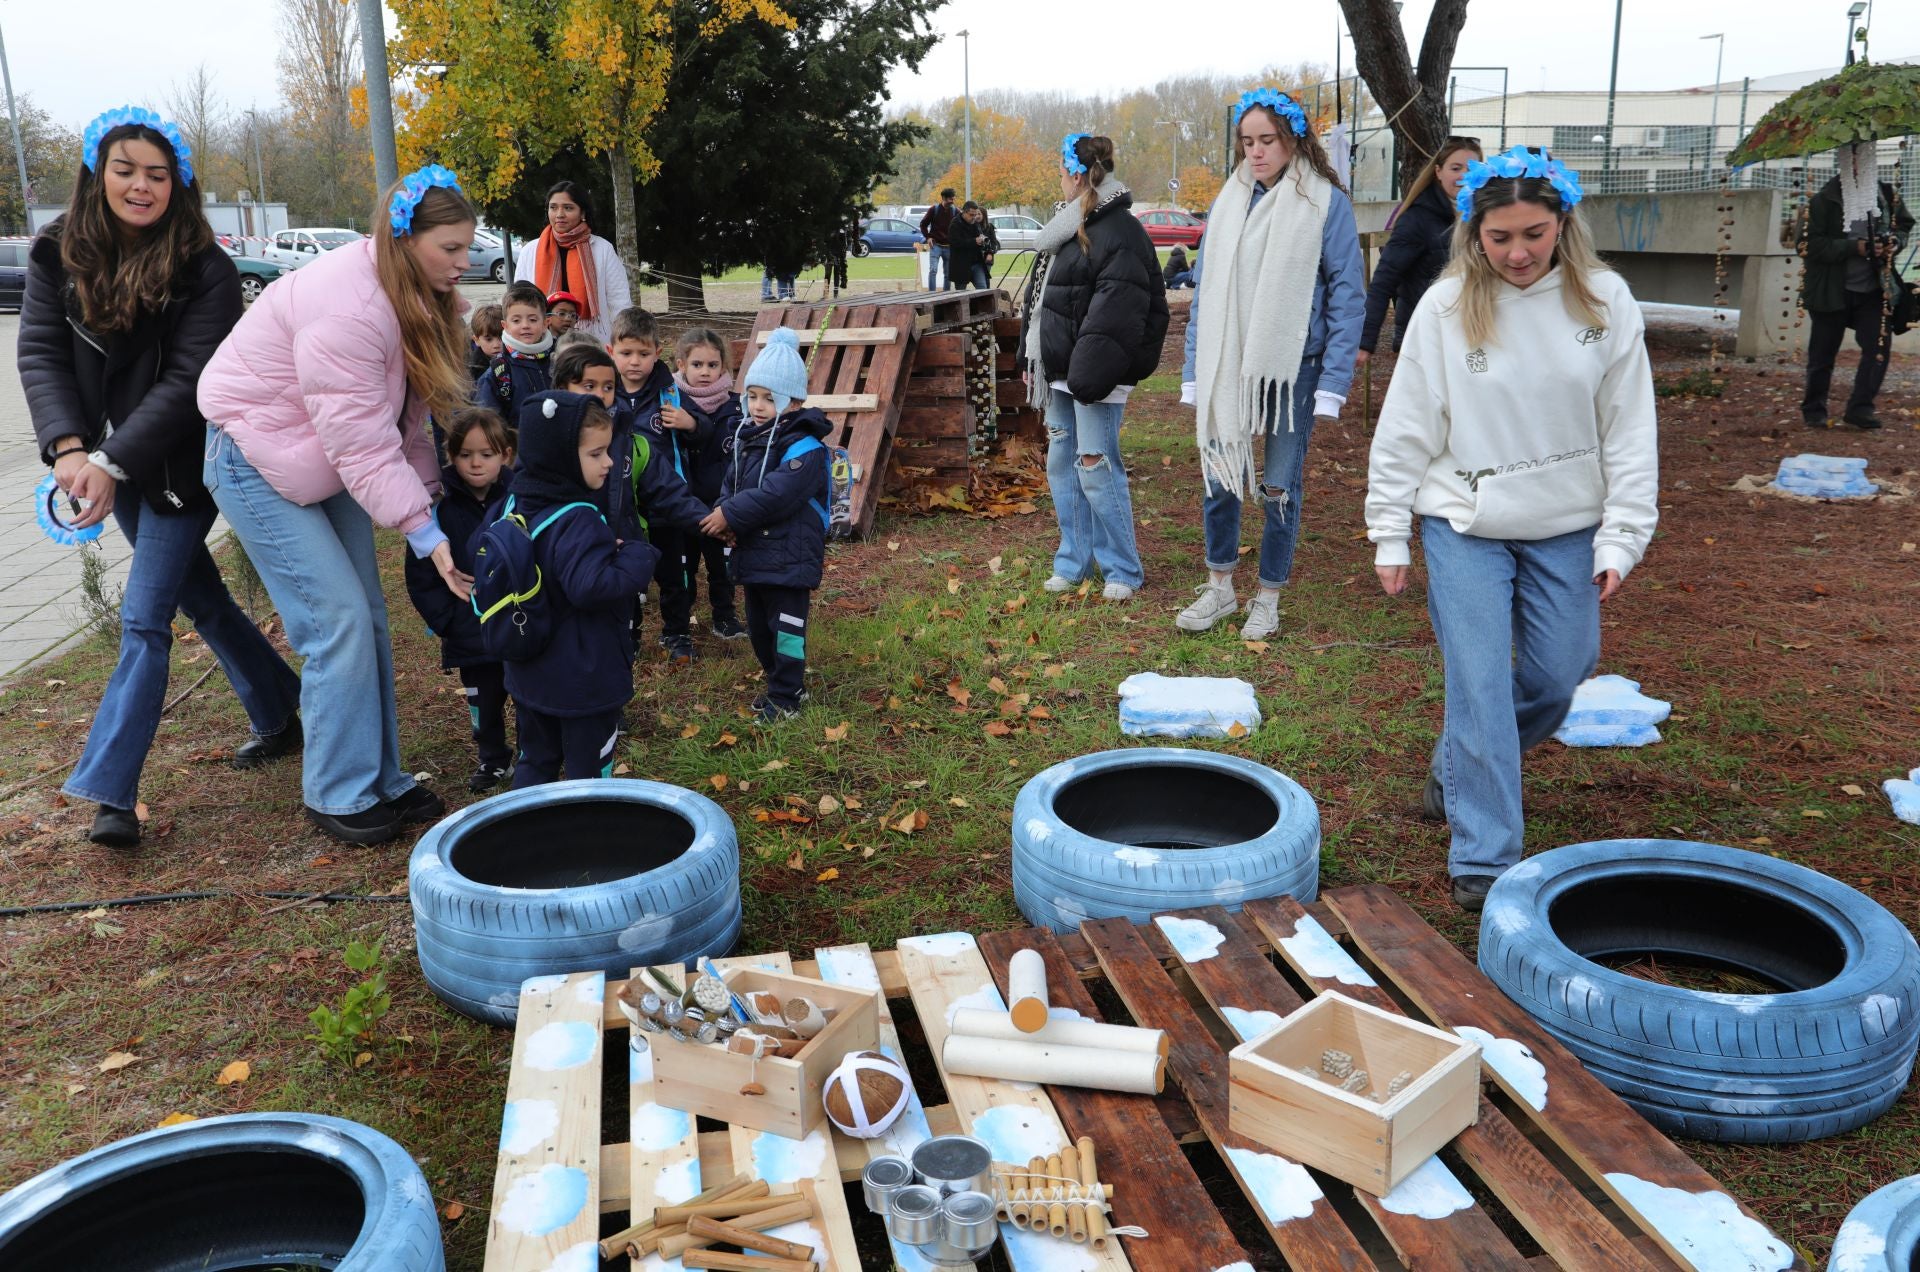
(1853, 15)
(373, 57)
(1713, 129)
(19, 152)
(1613, 87)
(966, 96)
(1181, 125)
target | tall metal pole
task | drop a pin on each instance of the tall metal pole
(966, 94)
(1713, 129)
(19, 151)
(1613, 87)
(373, 56)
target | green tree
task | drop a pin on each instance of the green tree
(53, 158)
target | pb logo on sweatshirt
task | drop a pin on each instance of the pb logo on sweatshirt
(1592, 335)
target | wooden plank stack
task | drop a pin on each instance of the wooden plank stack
(1557, 1172)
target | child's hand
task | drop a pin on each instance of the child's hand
(674, 418)
(714, 526)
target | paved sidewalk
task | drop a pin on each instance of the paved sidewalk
(40, 607)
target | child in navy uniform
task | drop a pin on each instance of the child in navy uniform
(484, 328)
(567, 699)
(473, 486)
(519, 370)
(710, 409)
(773, 496)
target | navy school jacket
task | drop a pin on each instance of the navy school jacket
(709, 450)
(656, 493)
(461, 517)
(685, 454)
(527, 374)
(781, 536)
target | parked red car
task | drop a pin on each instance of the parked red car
(1172, 228)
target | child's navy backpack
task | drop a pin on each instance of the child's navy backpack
(516, 622)
(836, 509)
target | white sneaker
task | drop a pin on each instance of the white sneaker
(1059, 583)
(1263, 616)
(1216, 602)
(1117, 592)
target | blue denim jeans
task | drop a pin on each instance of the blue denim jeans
(1282, 483)
(1508, 684)
(1090, 501)
(172, 570)
(938, 271)
(318, 564)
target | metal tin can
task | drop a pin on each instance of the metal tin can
(913, 1214)
(970, 1220)
(954, 1164)
(883, 1177)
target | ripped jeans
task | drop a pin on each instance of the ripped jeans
(1090, 497)
(1282, 482)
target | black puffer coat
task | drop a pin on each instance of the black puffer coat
(1103, 315)
(143, 380)
(1422, 240)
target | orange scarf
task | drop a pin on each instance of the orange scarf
(572, 273)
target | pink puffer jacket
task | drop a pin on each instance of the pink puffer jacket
(311, 385)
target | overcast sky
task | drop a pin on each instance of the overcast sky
(77, 59)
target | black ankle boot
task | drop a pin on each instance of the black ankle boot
(115, 828)
(258, 750)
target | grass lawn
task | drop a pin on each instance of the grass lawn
(1784, 635)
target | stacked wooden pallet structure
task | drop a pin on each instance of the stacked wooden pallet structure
(1557, 1172)
(916, 384)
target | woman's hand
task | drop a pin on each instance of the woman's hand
(1608, 581)
(93, 486)
(460, 584)
(676, 419)
(1361, 358)
(1393, 578)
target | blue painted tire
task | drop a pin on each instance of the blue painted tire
(251, 1190)
(607, 874)
(1829, 1053)
(1140, 831)
(1882, 1233)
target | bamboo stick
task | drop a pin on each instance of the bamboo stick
(1090, 1184)
(721, 1261)
(795, 1211)
(611, 1246)
(747, 1238)
(653, 1240)
(1076, 1215)
(1036, 1208)
(1057, 1212)
(746, 1202)
(1017, 1182)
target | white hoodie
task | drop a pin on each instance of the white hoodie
(1547, 430)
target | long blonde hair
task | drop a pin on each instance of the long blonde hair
(1431, 173)
(1480, 281)
(433, 338)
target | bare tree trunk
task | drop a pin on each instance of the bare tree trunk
(685, 290)
(626, 233)
(1380, 52)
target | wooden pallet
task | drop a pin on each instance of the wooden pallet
(1566, 1175)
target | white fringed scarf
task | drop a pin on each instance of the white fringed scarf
(1254, 308)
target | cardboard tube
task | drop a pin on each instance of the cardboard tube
(1027, 990)
(795, 1211)
(1036, 1210)
(1057, 1212)
(1076, 1215)
(980, 1022)
(746, 1201)
(1090, 1183)
(724, 1262)
(747, 1238)
(804, 1016)
(1135, 1072)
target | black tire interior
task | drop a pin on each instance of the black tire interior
(1166, 806)
(573, 844)
(1711, 922)
(219, 1212)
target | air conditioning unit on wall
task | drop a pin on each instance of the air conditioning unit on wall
(1654, 137)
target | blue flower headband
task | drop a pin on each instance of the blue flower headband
(45, 498)
(1277, 102)
(413, 188)
(1521, 161)
(110, 120)
(1068, 159)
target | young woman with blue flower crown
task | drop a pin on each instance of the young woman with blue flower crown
(1519, 429)
(1096, 319)
(1279, 298)
(127, 296)
(316, 409)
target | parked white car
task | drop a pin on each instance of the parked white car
(1015, 232)
(294, 248)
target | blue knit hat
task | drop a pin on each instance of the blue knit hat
(780, 370)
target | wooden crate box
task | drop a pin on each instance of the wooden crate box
(708, 1079)
(1370, 1144)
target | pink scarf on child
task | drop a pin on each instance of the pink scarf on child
(711, 398)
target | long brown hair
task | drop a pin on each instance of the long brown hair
(1305, 144)
(1480, 281)
(1431, 173)
(432, 336)
(117, 279)
(1097, 154)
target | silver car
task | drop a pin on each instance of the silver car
(1016, 233)
(487, 258)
